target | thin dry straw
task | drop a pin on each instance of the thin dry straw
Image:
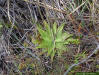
(73, 65)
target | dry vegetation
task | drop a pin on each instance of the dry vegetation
(19, 19)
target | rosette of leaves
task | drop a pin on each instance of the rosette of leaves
(54, 40)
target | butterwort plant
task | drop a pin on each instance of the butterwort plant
(53, 40)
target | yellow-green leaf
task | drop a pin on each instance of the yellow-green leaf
(54, 27)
